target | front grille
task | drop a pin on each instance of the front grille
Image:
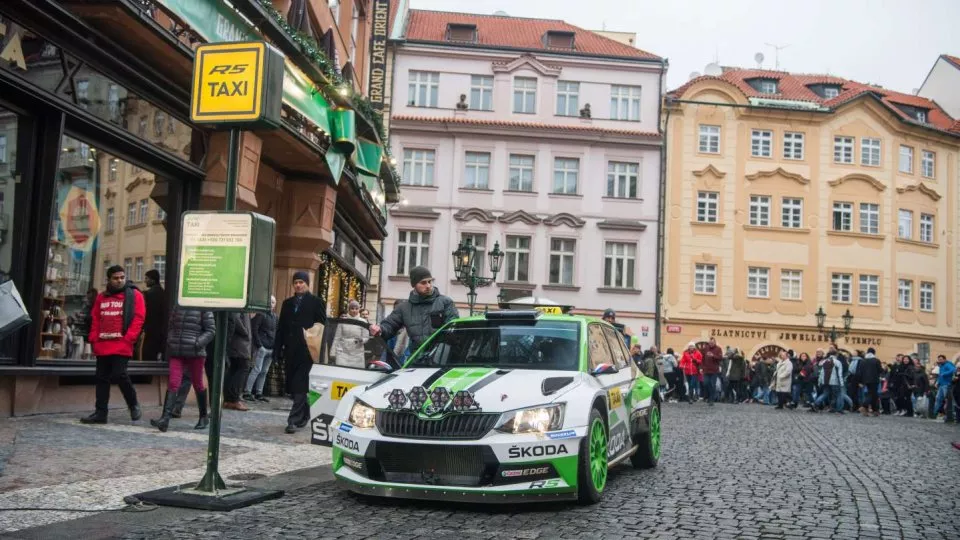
(434, 464)
(460, 426)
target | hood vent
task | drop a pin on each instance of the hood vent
(552, 384)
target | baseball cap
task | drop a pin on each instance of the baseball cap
(609, 313)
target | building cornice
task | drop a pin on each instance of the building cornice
(709, 169)
(922, 188)
(878, 185)
(564, 218)
(779, 171)
(479, 214)
(519, 215)
(497, 127)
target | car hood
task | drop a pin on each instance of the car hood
(495, 390)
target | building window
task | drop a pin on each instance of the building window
(625, 103)
(568, 98)
(161, 214)
(144, 211)
(707, 206)
(113, 169)
(905, 224)
(622, 179)
(792, 145)
(479, 242)
(3, 148)
(926, 296)
(334, 6)
(928, 164)
(758, 282)
(562, 255)
(524, 95)
(709, 139)
(869, 218)
(767, 86)
(413, 249)
(566, 172)
(477, 173)
(128, 267)
(113, 103)
(870, 152)
(139, 275)
(518, 258)
(423, 89)
(131, 214)
(418, 167)
(905, 294)
(761, 143)
(869, 289)
(521, 173)
(840, 285)
(481, 93)
(791, 284)
(906, 159)
(705, 279)
(160, 265)
(792, 213)
(760, 210)
(921, 116)
(926, 228)
(111, 220)
(830, 92)
(843, 149)
(619, 264)
(842, 216)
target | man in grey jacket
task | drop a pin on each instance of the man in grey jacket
(423, 312)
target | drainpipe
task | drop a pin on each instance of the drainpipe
(661, 211)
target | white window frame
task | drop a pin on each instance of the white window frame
(928, 164)
(521, 173)
(160, 265)
(905, 294)
(761, 143)
(830, 92)
(905, 224)
(869, 218)
(144, 213)
(708, 206)
(841, 288)
(905, 163)
(423, 89)
(791, 284)
(131, 214)
(415, 244)
(871, 151)
(709, 142)
(620, 265)
(927, 227)
(845, 210)
(568, 98)
(869, 289)
(927, 293)
(564, 252)
(623, 180)
(843, 149)
(768, 87)
(564, 170)
(138, 265)
(517, 258)
(479, 163)
(481, 93)
(758, 282)
(625, 102)
(791, 212)
(111, 220)
(793, 145)
(525, 95)
(705, 279)
(128, 267)
(760, 210)
(418, 166)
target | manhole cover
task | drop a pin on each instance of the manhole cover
(246, 476)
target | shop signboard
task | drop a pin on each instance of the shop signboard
(237, 85)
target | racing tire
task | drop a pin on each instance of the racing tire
(648, 444)
(592, 461)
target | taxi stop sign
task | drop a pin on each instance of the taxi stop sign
(237, 84)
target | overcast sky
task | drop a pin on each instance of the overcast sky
(888, 42)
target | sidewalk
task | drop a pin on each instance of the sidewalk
(53, 461)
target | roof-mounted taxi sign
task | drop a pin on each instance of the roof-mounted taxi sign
(237, 84)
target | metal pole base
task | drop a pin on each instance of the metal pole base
(211, 482)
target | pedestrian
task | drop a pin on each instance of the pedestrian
(349, 339)
(920, 388)
(904, 375)
(610, 316)
(297, 314)
(782, 382)
(115, 323)
(690, 365)
(668, 366)
(263, 333)
(189, 332)
(944, 385)
(830, 380)
(155, 325)
(365, 315)
(238, 359)
(712, 356)
(736, 374)
(424, 311)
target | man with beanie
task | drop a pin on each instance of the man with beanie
(155, 325)
(115, 324)
(424, 311)
(298, 313)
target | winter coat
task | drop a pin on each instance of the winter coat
(868, 370)
(238, 336)
(738, 368)
(290, 345)
(945, 377)
(348, 343)
(690, 362)
(783, 376)
(808, 371)
(417, 314)
(762, 374)
(712, 356)
(155, 323)
(189, 332)
(263, 330)
(668, 363)
(116, 321)
(831, 372)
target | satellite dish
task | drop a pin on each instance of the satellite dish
(759, 58)
(713, 69)
(694, 75)
(501, 13)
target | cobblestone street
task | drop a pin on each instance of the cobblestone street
(727, 472)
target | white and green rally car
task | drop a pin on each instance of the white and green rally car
(507, 406)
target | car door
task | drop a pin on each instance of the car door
(617, 386)
(349, 357)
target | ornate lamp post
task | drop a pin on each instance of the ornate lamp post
(465, 268)
(832, 333)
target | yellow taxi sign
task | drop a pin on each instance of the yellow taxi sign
(340, 389)
(549, 310)
(237, 83)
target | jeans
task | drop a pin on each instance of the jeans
(258, 375)
(113, 369)
(831, 394)
(843, 398)
(796, 392)
(693, 384)
(710, 382)
(942, 394)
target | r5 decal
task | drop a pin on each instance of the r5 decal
(545, 484)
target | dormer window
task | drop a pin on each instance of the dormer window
(557, 39)
(919, 114)
(764, 86)
(831, 92)
(464, 33)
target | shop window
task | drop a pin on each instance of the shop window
(9, 241)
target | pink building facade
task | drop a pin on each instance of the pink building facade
(554, 153)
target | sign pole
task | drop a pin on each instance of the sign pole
(211, 480)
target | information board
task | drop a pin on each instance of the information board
(215, 260)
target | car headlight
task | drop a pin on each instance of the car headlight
(362, 415)
(532, 420)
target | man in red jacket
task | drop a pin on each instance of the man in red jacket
(712, 356)
(116, 320)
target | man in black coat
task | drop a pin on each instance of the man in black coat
(869, 372)
(155, 325)
(298, 313)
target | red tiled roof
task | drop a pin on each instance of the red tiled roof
(521, 125)
(795, 87)
(516, 32)
(955, 60)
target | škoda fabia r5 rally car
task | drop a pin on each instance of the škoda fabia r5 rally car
(503, 407)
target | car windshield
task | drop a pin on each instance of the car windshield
(504, 344)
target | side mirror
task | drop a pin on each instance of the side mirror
(379, 365)
(604, 369)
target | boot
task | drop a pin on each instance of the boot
(135, 412)
(204, 421)
(168, 403)
(98, 417)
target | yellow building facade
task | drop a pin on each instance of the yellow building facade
(783, 197)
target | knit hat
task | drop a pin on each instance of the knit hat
(302, 276)
(418, 274)
(871, 350)
(154, 275)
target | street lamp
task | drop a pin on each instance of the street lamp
(832, 333)
(465, 269)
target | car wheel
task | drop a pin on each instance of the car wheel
(592, 469)
(648, 444)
